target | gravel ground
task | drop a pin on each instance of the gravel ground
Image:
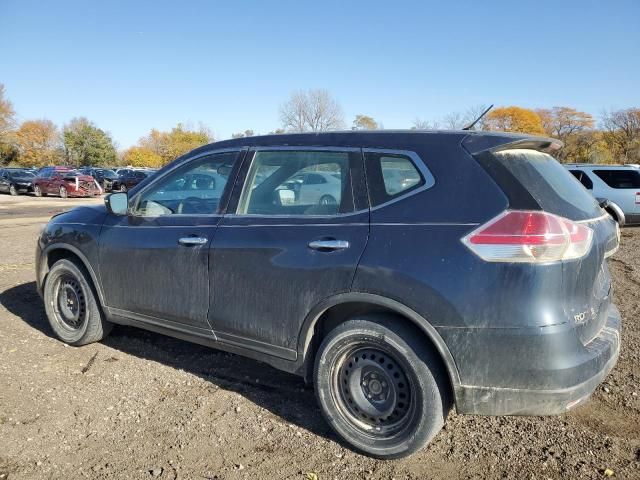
(140, 405)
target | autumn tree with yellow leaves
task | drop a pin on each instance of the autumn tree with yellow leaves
(514, 119)
(39, 143)
(141, 157)
(170, 145)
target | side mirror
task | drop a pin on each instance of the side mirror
(287, 197)
(117, 203)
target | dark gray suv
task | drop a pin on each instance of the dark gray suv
(425, 270)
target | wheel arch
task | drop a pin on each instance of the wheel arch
(616, 212)
(58, 251)
(353, 303)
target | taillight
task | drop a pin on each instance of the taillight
(529, 236)
(637, 198)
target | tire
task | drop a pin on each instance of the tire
(380, 358)
(123, 188)
(13, 190)
(327, 200)
(63, 192)
(71, 304)
(38, 191)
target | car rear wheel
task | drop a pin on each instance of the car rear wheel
(63, 192)
(38, 191)
(381, 387)
(71, 305)
(13, 190)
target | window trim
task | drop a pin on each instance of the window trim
(294, 148)
(423, 170)
(584, 173)
(133, 202)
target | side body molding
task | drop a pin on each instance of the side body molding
(307, 330)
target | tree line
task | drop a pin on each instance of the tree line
(615, 138)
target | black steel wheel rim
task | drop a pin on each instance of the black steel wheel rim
(69, 302)
(373, 392)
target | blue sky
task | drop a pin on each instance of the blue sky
(130, 66)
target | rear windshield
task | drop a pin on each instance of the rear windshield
(550, 184)
(620, 178)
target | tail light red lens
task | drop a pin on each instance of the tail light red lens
(529, 236)
(638, 198)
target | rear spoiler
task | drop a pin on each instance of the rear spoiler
(476, 144)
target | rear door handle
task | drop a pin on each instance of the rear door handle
(191, 241)
(328, 245)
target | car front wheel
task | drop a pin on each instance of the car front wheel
(381, 387)
(71, 305)
(13, 190)
(37, 190)
(123, 188)
(63, 192)
(327, 200)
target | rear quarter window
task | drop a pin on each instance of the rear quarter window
(620, 178)
(549, 183)
(394, 175)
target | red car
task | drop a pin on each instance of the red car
(65, 182)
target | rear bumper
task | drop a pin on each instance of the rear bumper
(599, 358)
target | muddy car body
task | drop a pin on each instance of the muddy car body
(481, 283)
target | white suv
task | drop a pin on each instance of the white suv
(620, 184)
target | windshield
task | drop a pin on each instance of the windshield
(21, 174)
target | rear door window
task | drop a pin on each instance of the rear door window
(300, 183)
(582, 178)
(549, 183)
(620, 178)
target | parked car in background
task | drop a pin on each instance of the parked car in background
(16, 180)
(481, 282)
(619, 184)
(65, 182)
(103, 176)
(314, 187)
(129, 179)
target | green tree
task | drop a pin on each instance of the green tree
(86, 144)
(514, 119)
(364, 122)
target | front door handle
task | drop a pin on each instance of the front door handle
(328, 245)
(191, 241)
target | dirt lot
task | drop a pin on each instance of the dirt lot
(139, 405)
